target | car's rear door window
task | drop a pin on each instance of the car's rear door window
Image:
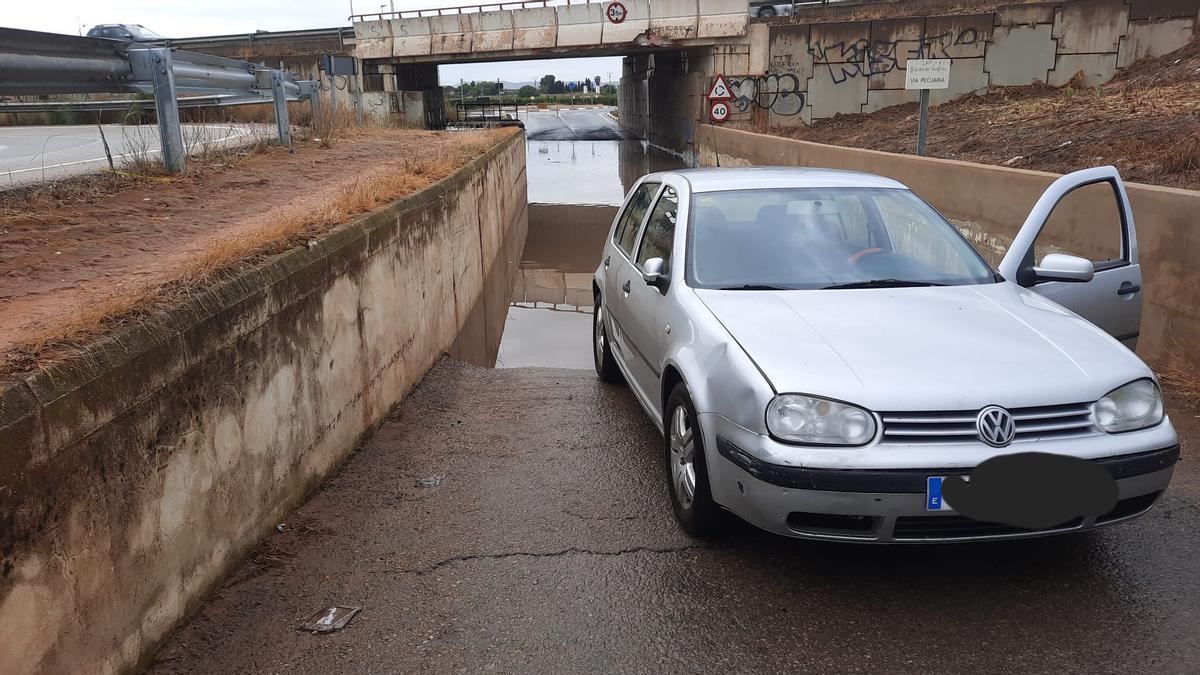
(659, 234)
(626, 233)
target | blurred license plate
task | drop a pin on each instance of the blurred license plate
(933, 494)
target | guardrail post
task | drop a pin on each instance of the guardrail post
(281, 111)
(155, 65)
(273, 80)
(310, 90)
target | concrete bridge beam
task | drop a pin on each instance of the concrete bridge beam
(539, 28)
(411, 37)
(579, 25)
(493, 31)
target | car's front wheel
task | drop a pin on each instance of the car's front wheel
(687, 471)
(606, 364)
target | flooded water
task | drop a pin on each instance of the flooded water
(575, 187)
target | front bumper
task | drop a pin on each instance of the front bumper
(889, 505)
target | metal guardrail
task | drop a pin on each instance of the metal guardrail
(33, 63)
(342, 33)
(126, 104)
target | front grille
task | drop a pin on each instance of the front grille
(1037, 423)
(952, 527)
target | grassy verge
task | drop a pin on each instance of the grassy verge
(292, 226)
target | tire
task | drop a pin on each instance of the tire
(602, 356)
(687, 470)
(766, 12)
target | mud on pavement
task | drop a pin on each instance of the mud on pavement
(517, 520)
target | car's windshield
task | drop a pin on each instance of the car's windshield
(143, 32)
(824, 237)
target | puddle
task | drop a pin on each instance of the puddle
(575, 188)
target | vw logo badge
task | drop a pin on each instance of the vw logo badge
(995, 426)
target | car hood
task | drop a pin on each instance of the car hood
(925, 348)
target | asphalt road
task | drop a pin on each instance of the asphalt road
(44, 153)
(583, 124)
(544, 542)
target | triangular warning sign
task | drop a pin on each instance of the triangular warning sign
(719, 91)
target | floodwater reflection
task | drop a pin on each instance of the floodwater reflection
(575, 188)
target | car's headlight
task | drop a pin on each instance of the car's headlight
(1136, 405)
(807, 419)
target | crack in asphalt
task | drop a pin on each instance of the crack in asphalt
(573, 550)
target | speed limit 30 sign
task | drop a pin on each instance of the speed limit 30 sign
(616, 12)
(719, 111)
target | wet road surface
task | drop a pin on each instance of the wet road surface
(548, 544)
(579, 124)
(575, 187)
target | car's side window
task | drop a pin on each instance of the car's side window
(660, 229)
(1086, 223)
(635, 212)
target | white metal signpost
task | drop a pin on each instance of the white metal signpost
(926, 74)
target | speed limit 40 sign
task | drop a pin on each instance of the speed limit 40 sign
(718, 111)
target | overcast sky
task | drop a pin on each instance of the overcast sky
(187, 18)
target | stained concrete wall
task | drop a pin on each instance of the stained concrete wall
(820, 70)
(997, 199)
(135, 476)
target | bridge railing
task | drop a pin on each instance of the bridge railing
(33, 63)
(467, 9)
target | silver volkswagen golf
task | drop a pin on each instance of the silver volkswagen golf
(828, 357)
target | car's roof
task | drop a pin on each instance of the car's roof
(756, 178)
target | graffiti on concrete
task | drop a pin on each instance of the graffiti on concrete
(781, 94)
(863, 58)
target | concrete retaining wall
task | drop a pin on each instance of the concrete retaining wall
(820, 70)
(134, 477)
(997, 200)
(794, 73)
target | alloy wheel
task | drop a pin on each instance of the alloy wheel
(683, 456)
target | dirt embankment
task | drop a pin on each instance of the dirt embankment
(83, 257)
(1146, 122)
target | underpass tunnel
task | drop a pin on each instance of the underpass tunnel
(583, 155)
(660, 92)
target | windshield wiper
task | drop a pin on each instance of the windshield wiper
(755, 287)
(882, 283)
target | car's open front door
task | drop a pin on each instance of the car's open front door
(1084, 214)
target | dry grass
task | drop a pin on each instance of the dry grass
(288, 229)
(1179, 369)
(27, 202)
(1146, 122)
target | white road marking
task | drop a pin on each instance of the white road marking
(234, 135)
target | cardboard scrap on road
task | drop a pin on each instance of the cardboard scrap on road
(329, 619)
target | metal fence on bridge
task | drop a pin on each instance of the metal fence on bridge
(33, 63)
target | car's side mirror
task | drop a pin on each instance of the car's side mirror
(1063, 267)
(653, 273)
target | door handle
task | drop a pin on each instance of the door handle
(1128, 288)
(626, 286)
(607, 258)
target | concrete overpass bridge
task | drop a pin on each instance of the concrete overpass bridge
(672, 49)
(545, 29)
